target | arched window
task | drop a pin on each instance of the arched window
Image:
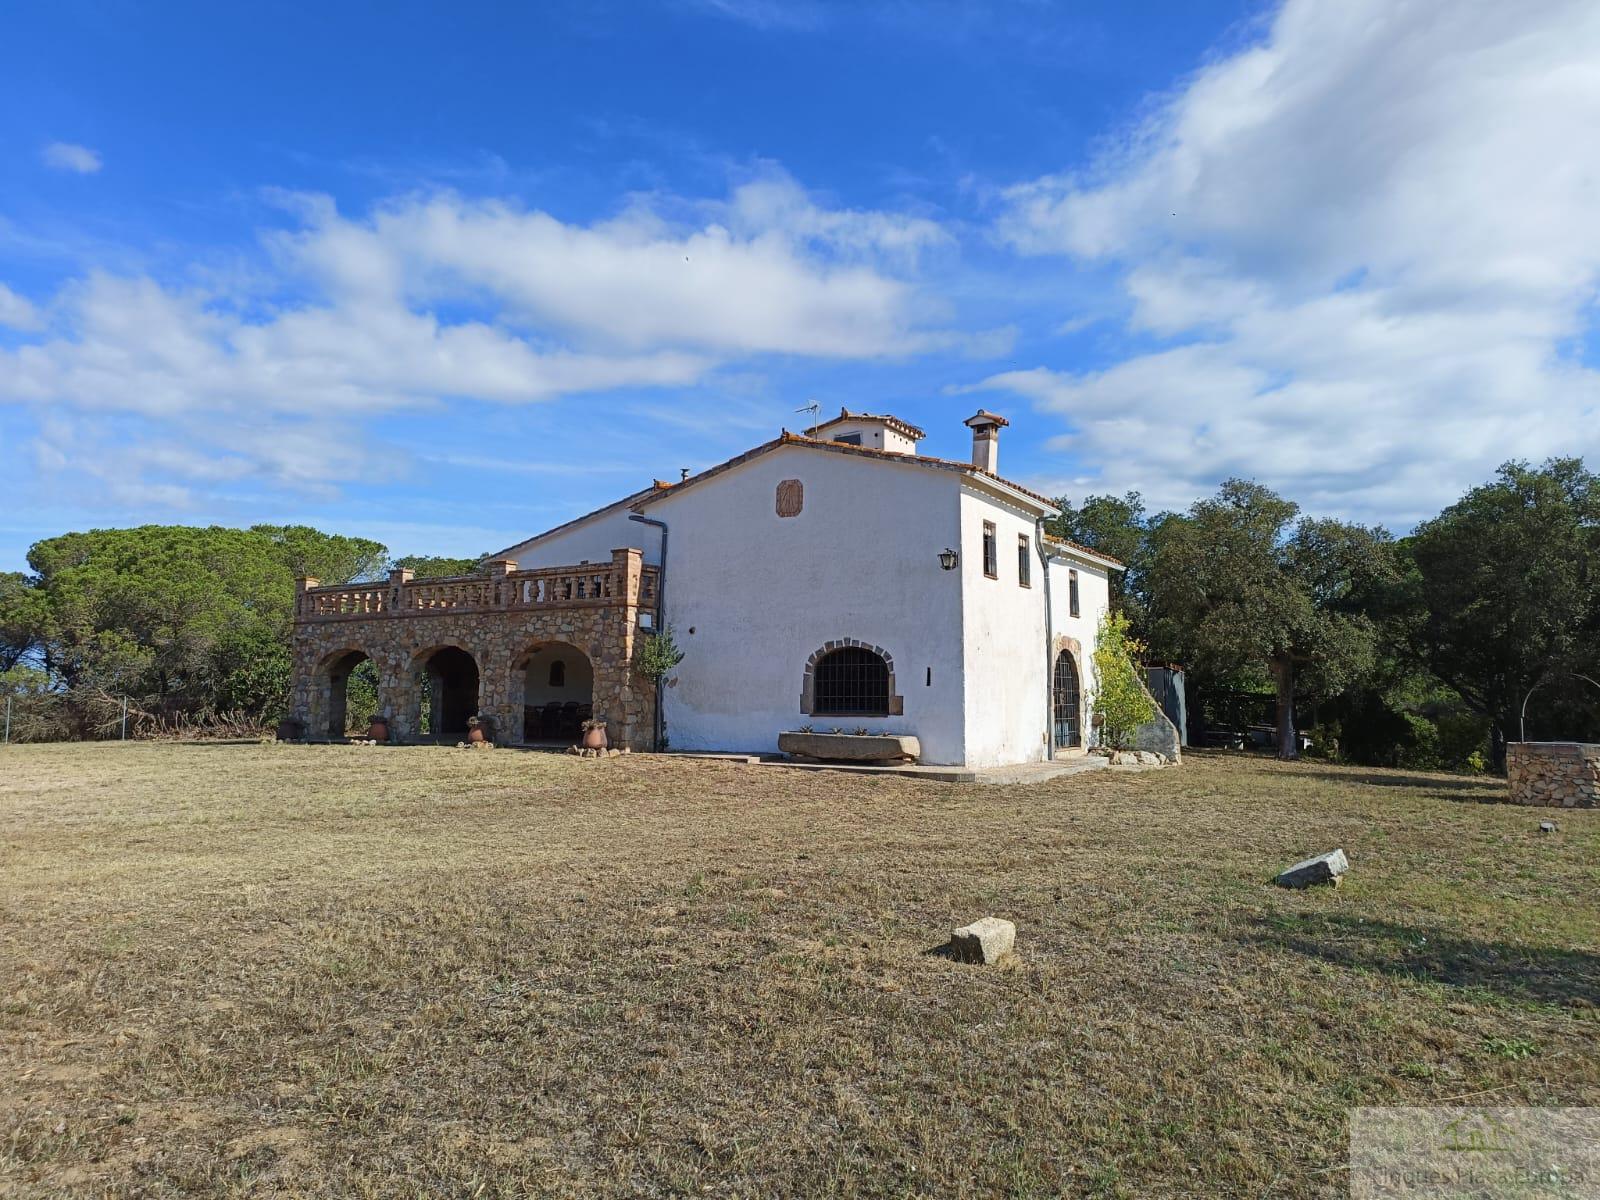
(558, 674)
(851, 682)
(1064, 696)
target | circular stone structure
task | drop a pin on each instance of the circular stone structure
(1554, 774)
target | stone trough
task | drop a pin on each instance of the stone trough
(852, 747)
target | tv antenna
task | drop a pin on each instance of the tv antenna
(814, 409)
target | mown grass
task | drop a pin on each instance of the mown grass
(329, 971)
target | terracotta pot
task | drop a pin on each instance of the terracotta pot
(595, 738)
(378, 731)
(475, 734)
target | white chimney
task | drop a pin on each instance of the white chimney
(986, 428)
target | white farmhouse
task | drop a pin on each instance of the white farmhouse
(836, 580)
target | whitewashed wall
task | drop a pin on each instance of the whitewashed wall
(592, 541)
(1094, 598)
(1005, 703)
(761, 592)
(874, 436)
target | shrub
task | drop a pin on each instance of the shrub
(658, 653)
(1121, 703)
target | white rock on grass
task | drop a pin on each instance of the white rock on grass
(983, 941)
(1324, 868)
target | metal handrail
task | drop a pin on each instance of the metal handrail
(1522, 721)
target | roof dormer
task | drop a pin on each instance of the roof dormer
(871, 431)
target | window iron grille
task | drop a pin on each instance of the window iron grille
(851, 682)
(1064, 697)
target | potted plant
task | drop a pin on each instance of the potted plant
(476, 732)
(594, 734)
(378, 731)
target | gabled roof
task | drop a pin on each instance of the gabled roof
(894, 423)
(793, 439)
(1077, 551)
(625, 502)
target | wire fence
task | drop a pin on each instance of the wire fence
(92, 715)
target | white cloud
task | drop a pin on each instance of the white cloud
(67, 156)
(437, 298)
(766, 272)
(767, 14)
(16, 312)
(1371, 236)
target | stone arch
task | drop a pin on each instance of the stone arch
(808, 685)
(544, 703)
(1073, 648)
(329, 699)
(452, 676)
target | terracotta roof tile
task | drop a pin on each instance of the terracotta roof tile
(895, 423)
(794, 439)
(1064, 544)
(625, 502)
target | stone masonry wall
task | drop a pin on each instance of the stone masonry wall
(499, 641)
(1554, 774)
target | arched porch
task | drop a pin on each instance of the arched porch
(452, 648)
(330, 707)
(551, 686)
(447, 695)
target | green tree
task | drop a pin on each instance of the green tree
(1121, 703)
(1115, 526)
(328, 557)
(184, 617)
(1508, 587)
(657, 654)
(434, 566)
(1237, 586)
(22, 619)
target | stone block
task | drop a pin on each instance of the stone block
(1324, 868)
(983, 941)
(851, 747)
(1136, 758)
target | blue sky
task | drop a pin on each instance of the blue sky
(447, 276)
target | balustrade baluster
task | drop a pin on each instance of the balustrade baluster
(533, 588)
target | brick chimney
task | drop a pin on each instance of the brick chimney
(986, 428)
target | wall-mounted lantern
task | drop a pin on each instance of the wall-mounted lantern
(948, 559)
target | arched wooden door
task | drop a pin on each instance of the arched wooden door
(1064, 697)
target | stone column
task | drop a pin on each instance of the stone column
(302, 585)
(399, 694)
(398, 578)
(633, 708)
(303, 656)
(503, 636)
(499, 695)
(497, 569)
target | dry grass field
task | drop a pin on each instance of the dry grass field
(332, 971)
